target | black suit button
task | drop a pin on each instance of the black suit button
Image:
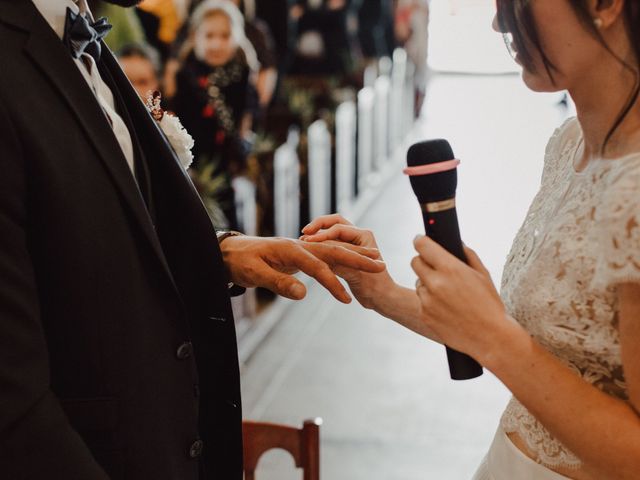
(184, 351)
(218, 319)
(196, 449)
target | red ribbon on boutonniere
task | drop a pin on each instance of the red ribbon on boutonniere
(153, 105)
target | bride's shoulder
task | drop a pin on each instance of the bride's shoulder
(568, 132)
(565, 138)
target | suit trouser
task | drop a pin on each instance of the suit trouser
(505, 461)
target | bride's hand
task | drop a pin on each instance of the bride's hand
(366, 287)
(459, 302)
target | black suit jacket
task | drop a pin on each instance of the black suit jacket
(117, 342)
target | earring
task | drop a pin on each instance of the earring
(598, 23)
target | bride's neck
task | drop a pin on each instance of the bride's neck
(599, 109)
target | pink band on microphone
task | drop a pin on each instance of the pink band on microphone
(432, 168)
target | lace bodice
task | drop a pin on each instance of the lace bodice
(581, 238)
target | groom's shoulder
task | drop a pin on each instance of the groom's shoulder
(16, 20)
(16, 15)
(20, 22)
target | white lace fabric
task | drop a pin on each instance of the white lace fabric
(580, 239)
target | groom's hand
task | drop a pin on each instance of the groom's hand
(271, 263)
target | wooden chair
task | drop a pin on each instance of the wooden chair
(302, 443)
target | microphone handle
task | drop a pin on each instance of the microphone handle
(442, 227)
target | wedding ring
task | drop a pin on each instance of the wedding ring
(419, 284)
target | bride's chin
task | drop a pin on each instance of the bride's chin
(538, 83)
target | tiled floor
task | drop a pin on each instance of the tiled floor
(390, 411)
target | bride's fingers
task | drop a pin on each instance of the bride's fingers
(325, 221)
(372, 253)
(475, 262)
(343, 233)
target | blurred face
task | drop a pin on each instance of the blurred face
(214, 43)
(567, 43)
(141, 74)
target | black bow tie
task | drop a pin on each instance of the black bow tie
(81, 36)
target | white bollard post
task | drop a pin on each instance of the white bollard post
(286, 172)
(246, 211)
(409, 97)
(370, 75)
(319, 143)
(398, 85)
(382, 89)
(366, 147)
(385, 65)
(346, 127)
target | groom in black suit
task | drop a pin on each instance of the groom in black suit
(117, 344)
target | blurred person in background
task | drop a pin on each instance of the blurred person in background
(161, 20)
(412, 33)
(563, 333)
(375, 28)
(141, 65)
(126, 28)
(259, 35)
(215, 100)
(275, 13)
(323, 42)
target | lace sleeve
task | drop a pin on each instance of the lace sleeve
(618, 225)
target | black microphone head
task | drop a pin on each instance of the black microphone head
(437, 186)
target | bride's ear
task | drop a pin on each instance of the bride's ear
(606, 12)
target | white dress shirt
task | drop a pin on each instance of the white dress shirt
(55, 13)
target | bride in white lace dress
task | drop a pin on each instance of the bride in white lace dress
(565, 331)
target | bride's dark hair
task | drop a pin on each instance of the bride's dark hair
(515, 18)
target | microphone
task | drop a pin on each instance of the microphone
(432, 170)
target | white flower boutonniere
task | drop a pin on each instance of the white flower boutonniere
(177, 135)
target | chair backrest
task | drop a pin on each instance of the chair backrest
(302, 443)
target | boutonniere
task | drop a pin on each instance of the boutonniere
(178, 137)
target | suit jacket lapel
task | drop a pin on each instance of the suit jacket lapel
(142, 118)
(48, 53)
(182, 221)
(140, 164)
(166, 170)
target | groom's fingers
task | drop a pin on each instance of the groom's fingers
(308, 263)
(325, 221)
(280, 283)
